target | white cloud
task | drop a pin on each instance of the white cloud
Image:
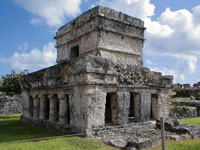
(182, 77)
(52, 11)
(149, 62)
(182, 43)
(35, 59)
(196, 15)
(138, 8)
(191, 61)
(185, 36)
(23, 47)
(156, 29)
(36, 21)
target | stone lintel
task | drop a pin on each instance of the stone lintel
(50, 96)
(61, 96)
(35, 96)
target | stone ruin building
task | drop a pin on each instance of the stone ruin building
(99, 78)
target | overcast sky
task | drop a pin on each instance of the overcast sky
(172, 45)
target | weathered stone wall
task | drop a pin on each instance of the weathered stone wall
(192, 103)
(102, 83)
(187, 93)
(87, 80)
(10, 105)
(103, 12)
(118, 37)
(94, 70)
(185, 112)
(87, 44)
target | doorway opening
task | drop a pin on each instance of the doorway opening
(74, 52)
(30, 106)
(131, 108)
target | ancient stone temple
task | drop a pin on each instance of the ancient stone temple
(99, 78)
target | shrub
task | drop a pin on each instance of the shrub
(198, 96)
(11, 83)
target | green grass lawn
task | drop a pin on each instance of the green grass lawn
(179, 98)
(194, 121)
(182, 106)
(11, 129)
(182, 145)
(72, 143)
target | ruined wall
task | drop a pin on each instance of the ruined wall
(187, 112)
(94, 70)
(117, 37)
(10, 105)
(86, 43)
(87, 81)
(95, 86)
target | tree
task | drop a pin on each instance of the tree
(198, 96)
(11, 83)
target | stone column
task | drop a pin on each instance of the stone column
(123, 102)
(142, 106)
(43, 107)
(162, 105)
(25, 103)
(36, 106)
(53, 112)
(63, 109)
(156, 107)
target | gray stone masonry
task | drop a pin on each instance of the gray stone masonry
(184, 112)
(192, 103)
(10, 104)
(99, 79)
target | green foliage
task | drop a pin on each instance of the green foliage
(12, 129)
(198, 96)
(181, 106)
(11, 83)
(177, 90)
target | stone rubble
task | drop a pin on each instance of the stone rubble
(10, 104)
(144, 135)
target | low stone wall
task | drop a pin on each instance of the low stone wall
(192, 103)
(184, 112)
(53, 126)
(187, 93)
(10, 105)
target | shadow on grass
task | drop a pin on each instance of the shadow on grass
(12, 129)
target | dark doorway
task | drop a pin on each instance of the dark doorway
(47, 109)
(56, 106)
(131, 108)
(108, 110)
(68, 109)
(30, 106)
(74, 52)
